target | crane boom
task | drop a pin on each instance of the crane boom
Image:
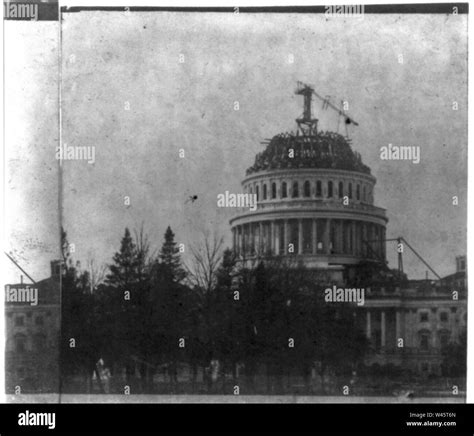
(348, 119)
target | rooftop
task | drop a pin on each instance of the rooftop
(324, 150)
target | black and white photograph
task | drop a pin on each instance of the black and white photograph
(235, 204)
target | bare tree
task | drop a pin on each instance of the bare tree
(204, 263)
(202, 275)
(97, 273)
(142, 248)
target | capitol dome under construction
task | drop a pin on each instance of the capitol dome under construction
(315, 200)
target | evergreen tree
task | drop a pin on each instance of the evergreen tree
(170, 260)
(168, 301)
(123, 270)
(123, 297)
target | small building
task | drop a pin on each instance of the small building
(32, 318)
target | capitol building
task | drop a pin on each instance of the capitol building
(315, 200)
(316, 206)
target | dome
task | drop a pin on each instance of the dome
(324, 150)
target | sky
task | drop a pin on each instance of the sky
(125, 92)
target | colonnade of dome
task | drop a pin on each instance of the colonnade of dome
(324, 215)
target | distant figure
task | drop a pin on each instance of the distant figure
(214, 370)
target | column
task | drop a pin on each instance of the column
(286, 241)
(382, 328)
(251, 240)
(276, 241)
(354, 238)
(300, 236)
(371, 239)
(238, 239)
(327, 236)
(397, 325)
(272, 237)
(234, 239)
(384, 246)
(248, 239)
(378, 238)
(346, 225)
(364, 239)
(368, 327)
(255, 239)
(314, 246)
(340, 236)
(241, 240)
(359, 238)
(382, 241)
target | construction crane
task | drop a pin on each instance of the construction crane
(306, 123)
(19, 267)
(400, 241)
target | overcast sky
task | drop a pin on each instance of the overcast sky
(110, 58)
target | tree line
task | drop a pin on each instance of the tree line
(237, 324)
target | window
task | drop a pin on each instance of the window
(341, 189)
(443, 339)
(20, 343)
(274, 190)
(257, 192)
(306, 189)
(424, 341)
(443, 316)
(40, 342)
(251, 190)
(364, 195)
(39, 320)
(350, 190)
(264, 191)
(295, 190)
(319, 189)
(358, 192)
(424, 317)
(284, 193)
(330, 193)
(20, 321)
